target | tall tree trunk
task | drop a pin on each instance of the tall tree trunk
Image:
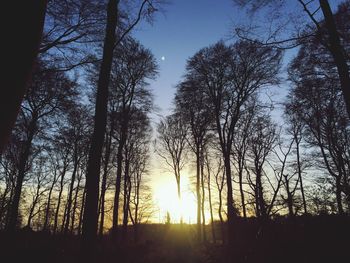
(32, 207)
(337, 52)
(90, 219)
(300, 174)
(104, 180)
(8, 210)
(127, 192)
(289, 196)
(211, 206)
(199, 199)
(81, 213)
(220, 186)
(240, 178)
(70, 192)
(64, 217)
(338, 195)
(26, 27)
(4, 203)
(117, 187)
(260, 190)
(75, 203)
(59, 199)
(230, 209)
(178, 184)
(136, 218)
(48, 205)
(21, 173)
(222, 224)
(203, 198)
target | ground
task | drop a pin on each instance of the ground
(302, 239)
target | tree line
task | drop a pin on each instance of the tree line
(297, 166)
(79, 152)
(45, 165)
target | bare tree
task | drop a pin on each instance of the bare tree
(230, 75)
(90, 218)
(261, 141)
(317, 102)
(327, 29)
(194, 108)
(296, 129)
(49, 93)
(240, 144)
(170, 145)
(39, 188)
(133, 67)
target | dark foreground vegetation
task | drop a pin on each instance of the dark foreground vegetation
(301, 239)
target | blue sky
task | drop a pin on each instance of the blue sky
(184, 28)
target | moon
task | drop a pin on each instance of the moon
(162, 58)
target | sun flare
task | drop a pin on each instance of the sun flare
(167, 200)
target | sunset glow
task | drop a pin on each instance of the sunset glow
(166, 199)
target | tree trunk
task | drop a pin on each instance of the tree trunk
(64, 217)
(70, 192)
(137, 202)
(338, 195)
(117, 188)
(75, 204)
(203, 198)
(260, 190)
(230, 209)
(223, 232)
(240, 178)
(127, 192)
(20, 176)
(81, 213)
(300, 174)
(48, 205)
(26, 26)
(211, 206)
(59, 199)
(198, 181)
(104, 181)
(90, 219)
(337, 52)
(289, 196)
(32, 207)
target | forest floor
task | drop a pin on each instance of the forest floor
(302, 239)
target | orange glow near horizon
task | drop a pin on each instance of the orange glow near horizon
(166, 199)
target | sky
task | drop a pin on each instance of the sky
(183, 28)
(175, 35)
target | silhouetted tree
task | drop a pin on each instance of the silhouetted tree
(195, 110)
(93, 166)
(94, 162)
(316, 100)
(48, 94)
(230, 75)
(171, 144)
(243, 131)
(261, 143)
(329, 31)
(296, 130)
(132, 67)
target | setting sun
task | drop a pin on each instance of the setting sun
(165, 197)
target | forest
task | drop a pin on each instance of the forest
(80, 137)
